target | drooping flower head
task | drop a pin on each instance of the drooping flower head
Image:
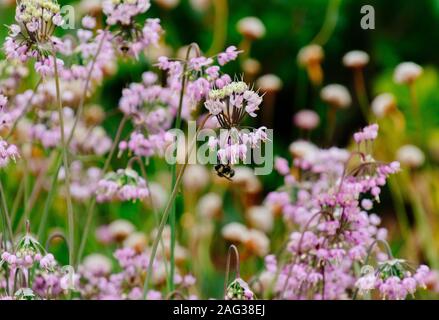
(32, 36)
(230, 105)
(131, 36)
(392, 279)
(330, 201)
(8, 152)
(239, 290)
(124, 11)
(29, 272)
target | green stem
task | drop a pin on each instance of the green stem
(172, 218)
(220, 26)
(6, 218)
(92, 203)
(166, 213)
(329, 24)
(49, 199)
(151, 202)
(232, 249)
(58, 162)
(17, 199)
(369, 253)
(70, 213)
(25, 109)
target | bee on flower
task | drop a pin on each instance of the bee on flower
(130, 36)
(229, 106)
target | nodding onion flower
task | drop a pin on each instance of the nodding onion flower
(230, 105)
(394, 279)
(32, 36)
(130, 36)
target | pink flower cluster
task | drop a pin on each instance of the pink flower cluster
(369, 133)
(204, 75)
(235, 96)
(229, 105)
(232, 145)
(230, 54)
(38, 274)
(124, 11)
(101, 284)
(329, 206)
(8, 152)
(392, 281)
(32, 36)
(88, 140)
(83, 181)
(123, 185)
(152, 109)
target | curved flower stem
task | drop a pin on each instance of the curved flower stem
(172, 218)
(369, 252)
(49, 199)
(86, 85)
(299, 248)
(54, 236)
(150, 200)
(235, 251)
(70, 213)
(220, 26)
(329, 24)
(92, 203)
(176, 293)
(6, 219)
(166, 212)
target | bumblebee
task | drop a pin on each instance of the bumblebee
(124, 48)
(224, 171)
